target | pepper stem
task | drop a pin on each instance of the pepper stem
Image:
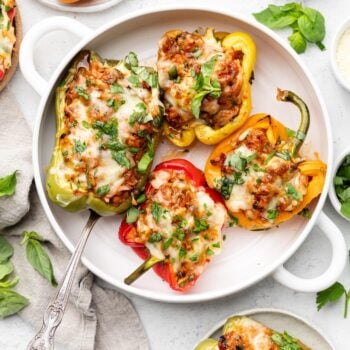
(289, 96)
(147, 264)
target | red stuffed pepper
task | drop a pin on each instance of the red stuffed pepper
(177, 228)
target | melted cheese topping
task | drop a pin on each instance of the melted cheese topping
(109, 120)
(258, 180)
(7, 34)
(181, 223)
(182, 63)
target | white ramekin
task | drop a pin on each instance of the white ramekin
(338, 74)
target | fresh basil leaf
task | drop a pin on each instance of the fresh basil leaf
(297, 42)
(6, 268)
(134, 80)
(132, 59)
(144, 162)
(40, 261)
(103, 190)
(6, 249)
(167, 243)
(182, 253)
(155, 237)
(330, 295)
(156, 211)
(274, 19)
(121, 158)
(82, 92)
(11, 302)
(200, 225)
(9, 283)
(313, 30)
(8, 184)
(196, 103)
(207, 68)
(79, 147)
(345, 209)
(272, 214)
(116, 89)
(141, 198)
(132, 214)
(293, 193)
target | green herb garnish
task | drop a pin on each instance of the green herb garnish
(8, 184)
(103, 190)
(132, 214)
(333, 294)
(81, 92)
(308, 24)
(79, 147)
(200, 225)
(272, 214)
(37, 256)
(155, 238)
(156, 211)
(285, 341)
(342, 186)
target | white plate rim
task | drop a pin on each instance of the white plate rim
(179, 298)
(252, 312)
(87, 9)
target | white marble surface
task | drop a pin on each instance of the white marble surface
(175, 327)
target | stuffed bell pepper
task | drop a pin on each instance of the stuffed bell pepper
(260, 174)
(7, 35)
(177, 228)
(241, 332)
(108, 125)
(205, 80)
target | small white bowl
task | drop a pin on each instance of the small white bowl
(332, 195)
(337, 72)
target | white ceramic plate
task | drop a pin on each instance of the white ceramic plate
(82, 5)
(247, 256)
(281, 321)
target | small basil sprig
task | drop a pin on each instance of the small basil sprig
(8, 184)
(308, 24)
(37, 256)
(204, 85)
(10, 301)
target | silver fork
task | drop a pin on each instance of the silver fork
(44, 339)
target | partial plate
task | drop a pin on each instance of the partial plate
(15, 54)
(82, 5)
(281, 320)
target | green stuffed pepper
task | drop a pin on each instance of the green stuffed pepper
(243, 333)
(109, 121)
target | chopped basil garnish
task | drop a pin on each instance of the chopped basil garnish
(155, 238)
(102, 190)
(209, 252)
(200, 225)
(147, 74)
(234, 221)
(156, 211)
(182, 253)
(132, 59)
(216, 245)
(116, 89)
(85, 124)
(144, 162)
(121, 158)
(167, 243)
(110, 128)
(132, 214)
(306, 213)
(293, 193)
(79, 147)
(272, 214)
(194, 257)
(81, 92)
(134, 80)
(141, 198)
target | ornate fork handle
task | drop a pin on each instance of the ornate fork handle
(44, 339)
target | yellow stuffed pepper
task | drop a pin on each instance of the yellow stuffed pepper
(205, 80)
(259, 172)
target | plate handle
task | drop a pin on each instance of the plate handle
(26, 55)
(336, 267)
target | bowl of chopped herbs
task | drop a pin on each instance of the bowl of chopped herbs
(339, 193)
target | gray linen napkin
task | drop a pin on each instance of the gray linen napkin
(96, 318)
